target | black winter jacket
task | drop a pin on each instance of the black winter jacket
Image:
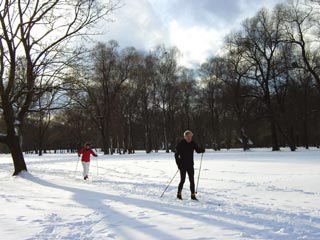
(184, 154)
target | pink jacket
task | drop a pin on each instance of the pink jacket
(86, 154)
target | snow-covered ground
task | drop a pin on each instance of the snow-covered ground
(243, 195)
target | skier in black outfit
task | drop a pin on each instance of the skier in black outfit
(184, 160)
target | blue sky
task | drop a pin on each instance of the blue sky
(196, 27)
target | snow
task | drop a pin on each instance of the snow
(257, 194)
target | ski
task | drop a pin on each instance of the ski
(200, 202)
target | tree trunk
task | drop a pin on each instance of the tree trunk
(105, 147)
(118, 145)
(274, 136)
(306, 118)
(244, 139)
(17, 155)
(165, 132)
(147, 140)
(146, 133)
(105, 143)
(40, 139)
(111, 145)
(218, 137)
(273, 125)
(40, 149)
(305, 134)
(130, 137)
(292, 144)
(317, 136)
(213, 145)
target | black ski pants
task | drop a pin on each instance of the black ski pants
(183, 173)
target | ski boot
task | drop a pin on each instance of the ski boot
(179, 196)
(193, 197)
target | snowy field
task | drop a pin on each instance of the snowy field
(243, 195)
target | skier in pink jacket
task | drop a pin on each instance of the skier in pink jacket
(85, 160)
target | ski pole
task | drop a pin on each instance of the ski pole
(97, 167)
(97, 164)
(169, 184)
(77, 166)
(199, 172)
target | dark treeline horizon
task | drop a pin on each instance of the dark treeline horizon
(263, 91)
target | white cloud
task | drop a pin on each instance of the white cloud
(135, 24)
(197, 28)
(195, 43)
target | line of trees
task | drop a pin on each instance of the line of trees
(263, 90)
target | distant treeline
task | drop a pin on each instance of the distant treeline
(263, 91)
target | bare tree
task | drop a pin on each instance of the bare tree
(212, 79)
(145, 76)
(187, 87)
(102, 79)
(37, 31)
(166, 77)
(238, 85)
(262, 38)
(302, 29)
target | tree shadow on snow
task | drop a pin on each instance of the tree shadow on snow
(224, 220)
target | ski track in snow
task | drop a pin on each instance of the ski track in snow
(243, 195)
